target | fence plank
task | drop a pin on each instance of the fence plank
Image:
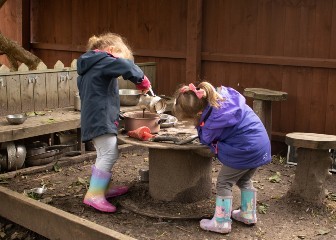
(3, 95)
(27, 92)
(40, 93)
(73, 85)
(63, 90)
(13, 94)
(51, 89)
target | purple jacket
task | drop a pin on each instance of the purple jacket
(235, 133)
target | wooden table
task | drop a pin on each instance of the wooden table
(179, 173)
(314, 162)
(46, 122)
(53, 121)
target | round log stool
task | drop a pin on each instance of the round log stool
(313, 164)
(262, 104)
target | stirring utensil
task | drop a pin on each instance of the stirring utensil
(151, 91)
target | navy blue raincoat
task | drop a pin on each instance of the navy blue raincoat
(99, 92)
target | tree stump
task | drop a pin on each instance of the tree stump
(262, 104)
(179, 175)
(313, 164)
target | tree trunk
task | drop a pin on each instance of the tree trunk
(15, 51)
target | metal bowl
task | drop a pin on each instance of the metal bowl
(129, 97)
(16, 118)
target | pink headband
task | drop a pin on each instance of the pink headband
(199, 93)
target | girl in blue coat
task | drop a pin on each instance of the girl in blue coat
(108, 58)
(237, 137)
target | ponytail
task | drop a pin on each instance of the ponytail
(191, 101)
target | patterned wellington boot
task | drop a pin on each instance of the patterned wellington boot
(247, 212)
(114, 191)
(221, 221)
(95, 196)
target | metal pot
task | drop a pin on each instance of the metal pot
(154, 104)
(36, 148)
(129, 97)
(134, 120)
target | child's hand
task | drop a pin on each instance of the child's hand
(144, 86)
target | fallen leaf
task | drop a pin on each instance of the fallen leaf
(323, 231)
(275, 178)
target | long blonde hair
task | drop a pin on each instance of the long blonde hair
(114, 40)
(188, 105)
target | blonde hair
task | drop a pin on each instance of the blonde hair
(188, 105)
(114, 40)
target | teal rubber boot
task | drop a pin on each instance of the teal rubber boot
(247, 212)
(221, 221)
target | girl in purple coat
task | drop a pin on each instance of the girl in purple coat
(237, 137)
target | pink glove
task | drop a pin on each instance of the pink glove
(144, 85)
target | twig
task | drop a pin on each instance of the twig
(183, 229)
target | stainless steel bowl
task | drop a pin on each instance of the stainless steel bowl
(16, 118)
(129, 97)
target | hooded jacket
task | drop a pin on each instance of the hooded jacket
(235, 133)
(99, 92)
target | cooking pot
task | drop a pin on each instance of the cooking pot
(36, 148)
(136, 119)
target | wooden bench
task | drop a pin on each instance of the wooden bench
(262, 104)
(313, 164)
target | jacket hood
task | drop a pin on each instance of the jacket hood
(230, 112)
(88, 59)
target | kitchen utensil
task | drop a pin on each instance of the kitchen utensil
(16, 119)
(129, 97)
(175, 140)
(169, 121)
(21, 154)
(46, 154)
(36, 147)
(136, 119)
(35, 192)
(40, 161)
(154, 104)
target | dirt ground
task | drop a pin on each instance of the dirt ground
(279, 217)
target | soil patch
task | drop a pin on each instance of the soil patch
(139, 216)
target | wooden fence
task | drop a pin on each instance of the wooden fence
(43, 88)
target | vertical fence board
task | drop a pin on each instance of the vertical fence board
(27, 92)
(13, 94)
(3, 96)
(318, 100)
(303, 95)
(73, 85)
(330, 125)
(63, 90)
(40, 94)
(51, 89)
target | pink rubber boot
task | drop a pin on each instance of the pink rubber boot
(95, 196)
(114, 191)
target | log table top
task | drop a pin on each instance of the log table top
(182, 129)
(311, 140)
(265, 94)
